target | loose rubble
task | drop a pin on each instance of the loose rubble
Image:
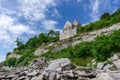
(62, 69)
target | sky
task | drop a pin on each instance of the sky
(26, 18)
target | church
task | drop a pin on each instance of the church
(69, 30)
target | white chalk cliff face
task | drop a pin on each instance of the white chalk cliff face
(69, 30)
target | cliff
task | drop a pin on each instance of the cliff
(89, 36)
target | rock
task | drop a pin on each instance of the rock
(59, 69)
(58, 76)
(52, 76)
(64, 63)
(100, 65)
(40, 77)
(35, 78)
(81, 73)
(68, 74)
(117, 63)
(10, 76)
(2, 77)
(114, 58)
(32, 74)
(97, 71)
(45, 74)
(103, 76)
(82, 78)
(21, 78)
(22, 74)
(108, 67)
(115, 75)
(39, 63)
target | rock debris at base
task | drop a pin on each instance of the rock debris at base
(60, 69)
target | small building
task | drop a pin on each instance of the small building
(69, 30)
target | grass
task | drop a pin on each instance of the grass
(3, 71)
(82, 61)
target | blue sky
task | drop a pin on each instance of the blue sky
(26, 18)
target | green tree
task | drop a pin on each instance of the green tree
(18, 42)
(106, 16)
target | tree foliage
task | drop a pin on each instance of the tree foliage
(106, 15)
(27, 49)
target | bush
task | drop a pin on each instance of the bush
(10, 62)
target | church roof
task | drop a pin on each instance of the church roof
(67, 25)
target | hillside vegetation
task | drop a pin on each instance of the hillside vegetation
(100, 49)
(27, 49)
(106, 20)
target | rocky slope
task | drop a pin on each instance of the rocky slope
(89, 36)
(72, 41)
(63, 69)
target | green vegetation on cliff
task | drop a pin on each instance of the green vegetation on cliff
(27, 49)
(106, 20)
(100, 49)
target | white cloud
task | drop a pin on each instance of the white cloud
(94, 6)
(49, 24)
(98, 7)
(35, 9)
(56, 13)
(10, 30)
(2, 58)
(39, 10)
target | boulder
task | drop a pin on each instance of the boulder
(100, 65)
(52, 76)
(108, 67)
(115, 75)
(81, 73)
(114, 58)
(63, 64)
(103, 76)
(40, 77)
(68, 74)
(117, 63)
